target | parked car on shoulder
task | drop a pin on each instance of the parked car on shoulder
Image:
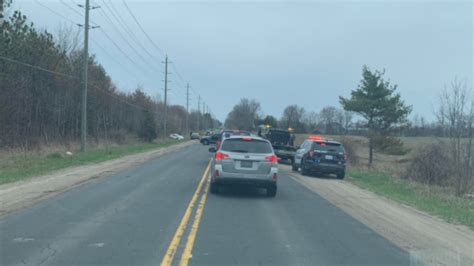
(176, 136)
(245, 160)
(319, 155)
(195, 135)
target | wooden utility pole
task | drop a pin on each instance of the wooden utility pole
(84, 88)
(187, 108)
(199, 113)
(165, 120)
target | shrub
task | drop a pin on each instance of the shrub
(431, 165)
(119, 136)
(54, 155)
(350, 148)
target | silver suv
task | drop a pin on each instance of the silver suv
(247, 160)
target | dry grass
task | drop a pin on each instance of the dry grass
(52, 149)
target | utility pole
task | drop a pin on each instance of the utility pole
(187, 108)
(199, 112)
(203, 122)
(87, 8)
(165, 120)
(84, 89)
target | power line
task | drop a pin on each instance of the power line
(122, 100)
(38, 68)
(71, 8)
(129, 31)
(118, 48)
(141, 28)
(127, 70)
(96, 43)
(73, 77)
(57, 13)
(154, 44)
(122, 36)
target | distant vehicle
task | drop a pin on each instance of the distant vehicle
(246, 160)
(195, 135)
(319, 155)
(282, 142)
(176, 136)
(207, 140)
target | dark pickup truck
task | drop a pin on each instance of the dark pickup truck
(282, 142)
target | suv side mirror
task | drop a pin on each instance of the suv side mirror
(212, 149)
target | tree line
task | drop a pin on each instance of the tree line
(40, 90)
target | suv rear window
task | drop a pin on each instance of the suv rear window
(234, 133)
(328, 146)
(247, 146)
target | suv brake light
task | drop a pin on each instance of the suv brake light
(311, 153)
(273, 158)
(221, 156)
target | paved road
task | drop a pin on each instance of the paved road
(161, 212)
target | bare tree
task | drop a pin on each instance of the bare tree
(329, 117)
(68, 39)
(292, 117)
(311, 120)
(243, 115)
(456, 113)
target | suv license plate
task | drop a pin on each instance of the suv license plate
(246, 164)
(329, 157)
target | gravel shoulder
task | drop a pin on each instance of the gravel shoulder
(426, 238)
(24, 193)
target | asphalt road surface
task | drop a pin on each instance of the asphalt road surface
(162, 213)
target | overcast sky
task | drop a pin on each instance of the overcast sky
(280, 53)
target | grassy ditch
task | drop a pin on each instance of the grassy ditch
(19, 167)
(433, 200)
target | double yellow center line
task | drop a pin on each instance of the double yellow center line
(174, 244)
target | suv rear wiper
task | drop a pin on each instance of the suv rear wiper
(241, 151)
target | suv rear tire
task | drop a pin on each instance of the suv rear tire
(272, 191)
(341, 175)
(294, 167)
(214, 188)
(205, 142)
(304, 171)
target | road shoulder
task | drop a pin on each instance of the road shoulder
(425, 237)
(24, 193)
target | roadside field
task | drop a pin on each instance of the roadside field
(434, 200)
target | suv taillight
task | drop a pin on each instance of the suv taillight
(273, 158)
(345, 156)
(220, 156)
(311, 153)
